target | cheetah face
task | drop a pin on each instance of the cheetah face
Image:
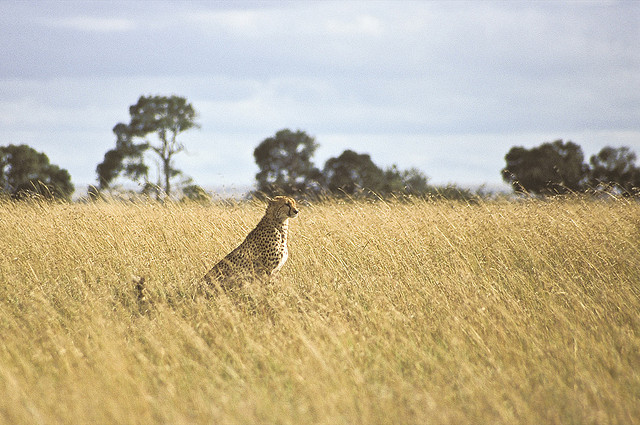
(283, 207)
(293, 211)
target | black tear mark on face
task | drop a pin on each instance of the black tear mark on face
(292, 211)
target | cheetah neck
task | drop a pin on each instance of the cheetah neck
(280, 226)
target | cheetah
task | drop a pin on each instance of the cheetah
(263, 252)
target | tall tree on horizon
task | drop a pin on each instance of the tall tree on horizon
(615, 166)
(164, 116)
(354, 173)
(23, 170)
(548, 169)
(285, 163)
(351, 172)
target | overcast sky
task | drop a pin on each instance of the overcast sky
(447, 87)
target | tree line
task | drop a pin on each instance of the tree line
(286, 166)
(559, 167)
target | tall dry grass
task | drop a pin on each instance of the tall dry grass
(420, 312)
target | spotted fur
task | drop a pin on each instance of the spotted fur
(263, 252)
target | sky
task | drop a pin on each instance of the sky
(447, 87)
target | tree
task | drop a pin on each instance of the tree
(166, 117)
(285, 163)
(351, 172)
(550, 168)
(286, 167)
(408, 182)
(615, 166)
(126, 157)
(24, 170)
(195, 193)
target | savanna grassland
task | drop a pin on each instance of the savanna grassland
(404, 312)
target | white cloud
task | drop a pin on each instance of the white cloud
(238, 22)
(92, 24)
(286, 20)
(358, 25)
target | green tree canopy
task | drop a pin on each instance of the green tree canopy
(410, 182)
(285, 163)
(24, 170)
(286, 167)
(351, 172)
(615, 167)
(126, 158)
(550, 168)
(166, 117)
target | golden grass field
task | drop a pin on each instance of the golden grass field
(401, 313)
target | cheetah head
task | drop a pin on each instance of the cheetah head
(282, 207)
